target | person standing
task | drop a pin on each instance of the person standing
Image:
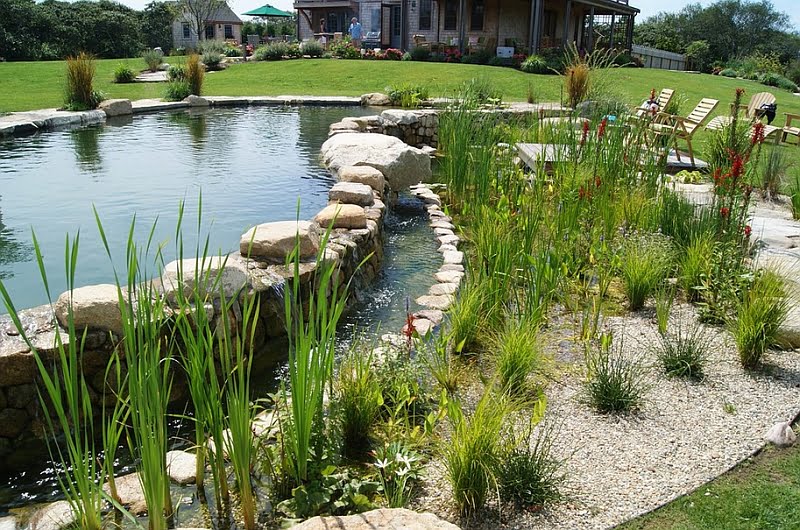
(356, 34)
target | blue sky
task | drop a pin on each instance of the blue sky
(651, 7)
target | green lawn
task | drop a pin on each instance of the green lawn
(762, 493)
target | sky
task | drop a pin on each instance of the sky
(648, 7)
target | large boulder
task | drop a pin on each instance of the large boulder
(401, 164)
(116, 107)
(781, 434)
(342, 216)
(93, 306)
(375, 99)
(352, 193)
(275, 241)
(363, 175)
(381, 519)
(211, 275)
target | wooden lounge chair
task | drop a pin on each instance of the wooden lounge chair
(676, 128)
(753, 111)
(788, 129)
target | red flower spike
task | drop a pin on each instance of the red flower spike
(747, 231)
(585, 133)
(597, 181)
(724, 212)
(601, 131)
(758, 134)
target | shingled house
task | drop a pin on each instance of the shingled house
(526, 25)
(223, 24)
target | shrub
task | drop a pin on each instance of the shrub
(614, 384)
(195, 73)
(480, 92)
(406, 56)
(293, 51)
(760, 313)
(345, 50)
(312, 48)
(793, 71)
(728, 72)
(212, 61)
(358, 400)
(152, 59)
(644, 265)
(501, 61)
(274, 51)
(530, 476)
(769, 78)
(475, 452)
(79, 91)
(392, 54)
(516, 355)
(176, 73)
(786, 84)
(554, 57)
(211, 46)
(124, 74)
(535, 64)
(180, 50)
(418, 53)
(685, 354)
(407, 95)
(232, 51)
(177, 91)
(405, 396)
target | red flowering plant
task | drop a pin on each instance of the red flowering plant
(731, 188)
(393, 54)
(452, 55)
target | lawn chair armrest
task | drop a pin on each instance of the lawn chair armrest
(791, 117)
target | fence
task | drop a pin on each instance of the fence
(655, 58)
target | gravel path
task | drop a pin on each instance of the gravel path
(684, 435)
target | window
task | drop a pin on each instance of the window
(450, 15)
(228, 31)
(187, 30)
(549, 24)
(476, 15)
(425, 12)
(209, 32)
(375, 19)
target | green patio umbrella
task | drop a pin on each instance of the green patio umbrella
(268, 11)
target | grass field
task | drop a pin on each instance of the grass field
(35, 85)
(762, 493)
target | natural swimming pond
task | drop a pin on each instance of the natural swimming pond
(261, 183)
(251, 164)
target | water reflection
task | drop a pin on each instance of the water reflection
(195, 123)
(12, 250)
(86, 144)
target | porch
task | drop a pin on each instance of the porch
(327, 17)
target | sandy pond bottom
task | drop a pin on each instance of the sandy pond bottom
(685, 434)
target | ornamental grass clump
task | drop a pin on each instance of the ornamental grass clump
(530, 475)
(152, 59)
(794, 195)
(79, 91)
(615, 382)
(476, 449)
(195, 74)
(516, 356)
(695, 265)
(359, 400)
(759, 314)
(645, 262)
(685, 353)
(124, 74)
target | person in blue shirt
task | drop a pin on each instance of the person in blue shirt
(356, 34)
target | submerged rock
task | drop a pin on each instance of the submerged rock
(181, 467)
(381, 519)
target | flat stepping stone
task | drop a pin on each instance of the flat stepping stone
(449, 276)
(451, 239)
(342, 216)
(452, 267)
(447, 248)
(352, 193)
(434, 315)
(440, 302)
(443, 288)
(454, 258)
(443, 231)
(275, 241)
(443, 224)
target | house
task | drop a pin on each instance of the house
(223, 24)
(526, 25)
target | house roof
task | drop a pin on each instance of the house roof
(223, 14)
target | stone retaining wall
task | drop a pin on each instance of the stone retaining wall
(355, 215)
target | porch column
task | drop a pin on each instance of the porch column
(611, 33)
(462, 24)
(629, 36)
(535, 27)
(590, 44)
(567, 17)
(404, 25)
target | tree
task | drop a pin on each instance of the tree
(156, 20)
(699, 53)
(198, 12)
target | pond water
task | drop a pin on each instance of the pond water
(252, 165)
(241, 185)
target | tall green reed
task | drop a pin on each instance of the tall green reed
(67, 403)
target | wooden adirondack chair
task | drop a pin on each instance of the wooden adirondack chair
(788, 129)
(664, 99)
(676, 128)
(752, 112)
